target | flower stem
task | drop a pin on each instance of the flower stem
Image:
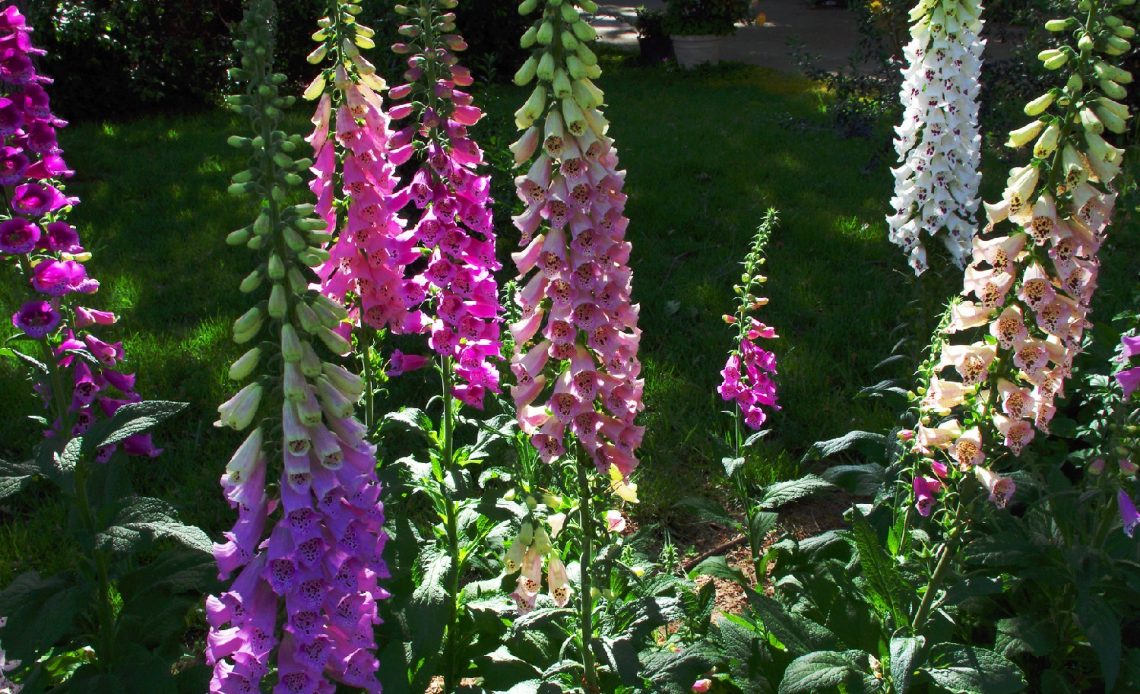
(948, 551)
(450, 676)
(367, 341)
(586, 598)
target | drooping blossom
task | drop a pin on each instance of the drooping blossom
(1129, 516)
(47, 249)
(304, 558)
(938, 141)
(1129, 379)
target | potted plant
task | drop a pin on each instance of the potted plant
(698, 26)
(654, 42)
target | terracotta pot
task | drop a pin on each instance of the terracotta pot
(695, 50)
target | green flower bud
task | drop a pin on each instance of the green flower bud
(336, 344)
(290, 344)
(568, 41)
(238, 237)
(296, 280)
(276, 267)
(587, 56)
(294, 240)
(248, 324)
(1111, 89)
(310, 361)
(1114, 45)
(1056, 25)
(1090, 122)
(251, 282)
(526, 534)
(545, 34)
(545, 70)
(313, 256)
(244, 366)
(569, 13)
(584, 31)
(526, 72)
(307, 317)
(278, 301)
(1047, 143)
(1024, 134)
(529, 37)
(1039, 105)
(527, 6)
(561, 84)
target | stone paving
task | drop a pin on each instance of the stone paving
(828, 33)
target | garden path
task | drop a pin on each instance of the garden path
(825, 32)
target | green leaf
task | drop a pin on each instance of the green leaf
(760, 523)
(1102, 627)
(16, 476)
(958, 668)
(821, 670)
(409, 418)
(427, 613)
(129, 420)
(1022, 635)
(780, 493)
(755, 437)
(718, 567)
(731, 465)
(866, 442)
(145, 519)
(889, 593)
(503, 670)
(708, 510)
(860, 480)
(798, 633)
(36, 364)
(671, 672)
(41, 612)
(904, 660)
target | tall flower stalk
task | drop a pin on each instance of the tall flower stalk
(747, 378)
(354, 180)
(575, 365)
(938, 142)
(450, 220)
(1031, 280)
(322, 560)
(80, 378)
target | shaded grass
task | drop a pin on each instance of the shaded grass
(707, 153)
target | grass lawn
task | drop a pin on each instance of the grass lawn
(706, 154)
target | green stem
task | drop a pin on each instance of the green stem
(586, 599)
(450, 675)
(105, 609)
(948, 551)
(367, 342)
